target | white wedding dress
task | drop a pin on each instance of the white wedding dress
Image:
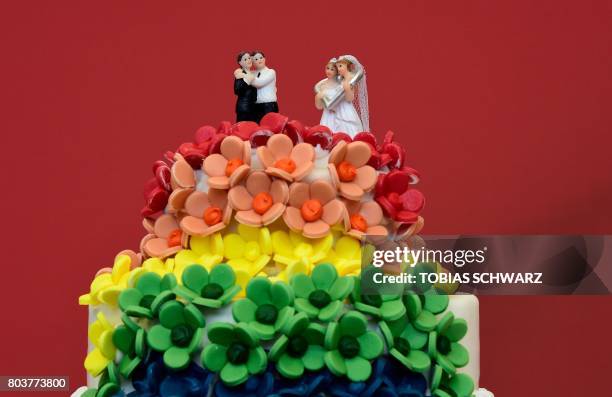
(343, 117)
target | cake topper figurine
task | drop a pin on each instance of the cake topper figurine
(246, 93)
(263, 80)
(343, 96)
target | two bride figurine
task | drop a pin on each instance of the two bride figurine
(343, 96)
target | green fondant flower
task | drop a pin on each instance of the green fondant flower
(385, 306)
(351, 347)
(108, 384)
(422, 308)
(266, 308)
(130, 339)
(208, 290)
(178, 333)
(321, 295)
(234, 352)
(443, 345)
(445, 385)
(299, 347)
(404, 343)
(147, 296)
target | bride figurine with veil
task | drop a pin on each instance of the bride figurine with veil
(343, 96)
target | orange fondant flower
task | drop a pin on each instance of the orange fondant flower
(207, 213)
(165, 237)
(260, 201)
(231, 166)
(365, 219)
(283, 160)
(313, 208)
(349, 171)
(183, 183)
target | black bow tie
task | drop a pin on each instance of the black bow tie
(258, 74)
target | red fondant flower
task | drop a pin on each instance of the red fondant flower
(157, 190)
(398, 200)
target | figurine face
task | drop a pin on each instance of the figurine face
(246, 62)
(259, 61)
(342, 68)
(331, 71)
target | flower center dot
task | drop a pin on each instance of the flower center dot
(358, 222)
(181, 335)
(237, 353)
(146, 301)
(346, 171)
(232, 165)
(319, 298)
(212, 291)
(266, 314)
(401, 345)
(311, 210)
(286, 165)
(443, 344)
(174, 238)
(297, 346)
(372, 299)
(213, 215)
(262, 202)
(348, 346)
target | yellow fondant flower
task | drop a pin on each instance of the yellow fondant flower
(298, 254)
(248, 251)
(100, 334)
(346, 256)
(206, 251)
(106, 286)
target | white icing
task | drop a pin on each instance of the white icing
(483, 393)
(201, 181)
(467, 308)
(79, 392)
(320, 170)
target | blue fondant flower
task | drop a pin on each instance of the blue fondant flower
(260, 385)
(311, 384)
(388, 379)
(153, 379)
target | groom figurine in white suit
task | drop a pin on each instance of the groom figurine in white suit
(265, 82)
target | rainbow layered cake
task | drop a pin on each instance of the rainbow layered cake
(248, 279)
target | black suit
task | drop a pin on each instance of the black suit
(245, 103)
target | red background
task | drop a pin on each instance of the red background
(504, 108)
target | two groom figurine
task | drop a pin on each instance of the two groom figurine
(254, 86)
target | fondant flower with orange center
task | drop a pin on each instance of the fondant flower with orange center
(349, 170)
(260, 201)
(284, 160)
(313, 208)
(231, 166)
(364, 219)
(207, 213)
(182, 182)
(165, 237)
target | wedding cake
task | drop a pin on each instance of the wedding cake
(248, 279)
